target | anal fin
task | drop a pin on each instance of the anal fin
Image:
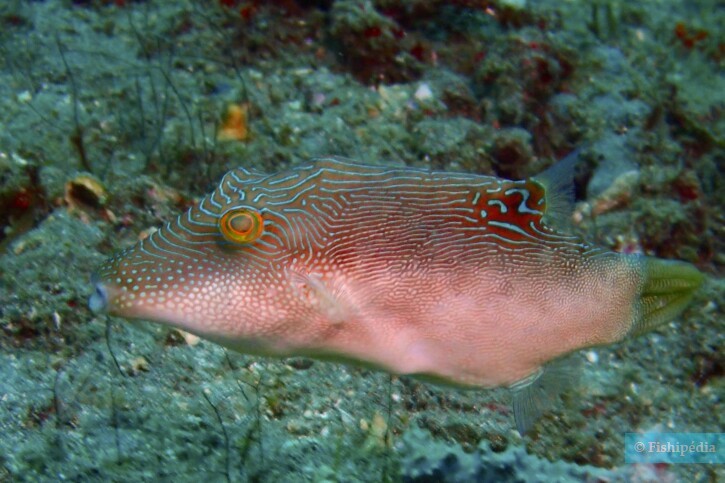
(536, 393)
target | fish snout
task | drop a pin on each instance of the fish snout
(98, 301)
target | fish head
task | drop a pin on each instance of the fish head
(224, 270)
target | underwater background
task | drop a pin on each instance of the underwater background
(117, 115)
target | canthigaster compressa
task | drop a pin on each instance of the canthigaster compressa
(457, 278)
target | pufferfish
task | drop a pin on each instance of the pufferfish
(460, 279)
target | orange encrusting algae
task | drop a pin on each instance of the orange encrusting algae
(456, 278)
(234, 125)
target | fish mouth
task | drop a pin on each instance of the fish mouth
(98, 301)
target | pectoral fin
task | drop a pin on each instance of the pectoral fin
(327, 298)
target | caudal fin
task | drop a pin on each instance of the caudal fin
(667, 288)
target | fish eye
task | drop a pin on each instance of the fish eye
(241, 225)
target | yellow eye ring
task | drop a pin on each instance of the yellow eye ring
(241, 225)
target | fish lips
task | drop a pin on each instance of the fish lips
(98, 301)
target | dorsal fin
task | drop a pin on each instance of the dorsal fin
(558, 183)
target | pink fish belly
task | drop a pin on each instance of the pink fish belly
(476, 330)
